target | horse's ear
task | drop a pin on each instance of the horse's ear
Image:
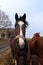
(16, 16)
(39, 32)
(24, 16)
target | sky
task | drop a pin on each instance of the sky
(33, 10)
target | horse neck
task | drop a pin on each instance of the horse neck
(33, 39)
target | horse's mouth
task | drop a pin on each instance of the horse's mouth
(22, 46)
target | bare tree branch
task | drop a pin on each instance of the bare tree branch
(4, 20)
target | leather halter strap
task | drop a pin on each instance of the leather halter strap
(19, 36)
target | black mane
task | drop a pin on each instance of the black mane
(22, 19)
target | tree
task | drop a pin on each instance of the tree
(4, 20)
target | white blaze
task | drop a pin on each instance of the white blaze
(15, 62)
(21, 41)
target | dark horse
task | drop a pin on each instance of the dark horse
(18, 43)
(36, 47)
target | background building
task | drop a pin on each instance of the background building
(6, 33)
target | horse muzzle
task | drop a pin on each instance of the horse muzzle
(21, 40)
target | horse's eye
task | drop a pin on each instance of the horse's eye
(17, 26)
(23, 26)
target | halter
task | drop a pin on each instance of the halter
(19, 36)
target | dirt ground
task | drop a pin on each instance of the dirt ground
(6, 57)
(7, 60)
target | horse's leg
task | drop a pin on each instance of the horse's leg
(12, 53)
(25, 60)
(28, 55)
(35, 60)
(39, 64)
(28, 60)
(16, 62)
(20, 60)
(13, 60)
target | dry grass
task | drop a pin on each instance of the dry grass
(7, 60)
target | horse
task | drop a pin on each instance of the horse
(36, 47)
(18, 43)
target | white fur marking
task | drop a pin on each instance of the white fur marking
(21, 23)
(15, 62)
(21, 41)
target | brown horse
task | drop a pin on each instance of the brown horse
(36, 47)
(18, 43)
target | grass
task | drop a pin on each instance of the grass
(7, 60)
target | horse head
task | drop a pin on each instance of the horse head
(20, 29)
(36, 35)
(33, 40)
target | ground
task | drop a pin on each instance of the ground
(5, 52)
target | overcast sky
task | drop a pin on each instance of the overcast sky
(33, 10)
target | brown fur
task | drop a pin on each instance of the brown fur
(36, 47)
(17, 51)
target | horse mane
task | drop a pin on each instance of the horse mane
(36, 35)
(22, 19)
(34, 38)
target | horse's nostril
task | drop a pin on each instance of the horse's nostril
(22, 46)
